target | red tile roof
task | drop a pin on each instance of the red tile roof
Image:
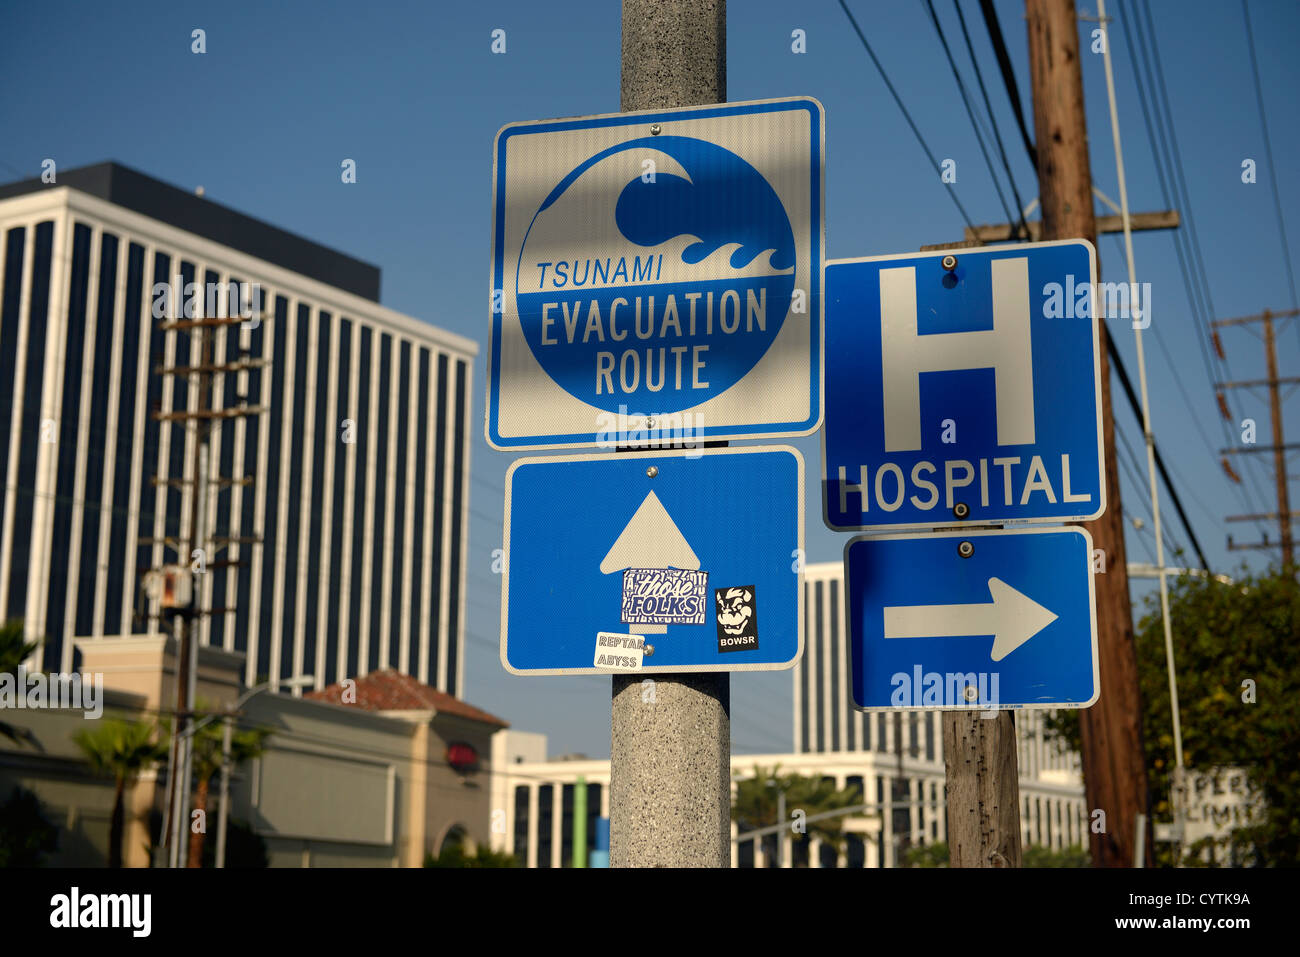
(389, 690)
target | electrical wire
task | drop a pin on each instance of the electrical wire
(994, 28)
(1161, 153)
(979, 78)
(906, 115)
(965, 98)
(1268, 151)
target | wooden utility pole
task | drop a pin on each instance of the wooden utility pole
(983, 789)
(981, 768)
(1114, 765)
(199, 545)
(1279, 448)
(670, 751)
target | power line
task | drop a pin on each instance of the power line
(1135, 475)
(961, 88)
(906, 115)
(979, 78)
(1008, 75)
(1122, 373)
(1161, 154)
(1268, 151)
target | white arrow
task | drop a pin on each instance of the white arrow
(1012, 618)
(651, 539)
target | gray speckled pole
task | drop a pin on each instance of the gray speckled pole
(670, 741)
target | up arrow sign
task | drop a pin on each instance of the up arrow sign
(650, 540)
(1012, 618)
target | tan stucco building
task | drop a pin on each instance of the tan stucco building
(377, 772)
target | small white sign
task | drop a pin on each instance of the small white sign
(619, 652)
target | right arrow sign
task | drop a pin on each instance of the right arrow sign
(961, 635)
(1012, 618)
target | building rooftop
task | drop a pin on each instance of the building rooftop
(169, 204)
(390, 690)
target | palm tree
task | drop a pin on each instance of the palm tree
(14, 650)
(206, 758)
(755, 805)
(121, 750)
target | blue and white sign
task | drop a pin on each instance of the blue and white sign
(654, 561)
(656, 276)
(963, 396)
(1006, 620)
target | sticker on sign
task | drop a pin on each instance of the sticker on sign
(656, 276)
(619, 652)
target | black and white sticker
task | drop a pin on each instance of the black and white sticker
(737, 617)
(664, 596)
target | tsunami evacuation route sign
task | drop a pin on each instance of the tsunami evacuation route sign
(656, 276)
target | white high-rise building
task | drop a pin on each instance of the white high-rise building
(359, 470)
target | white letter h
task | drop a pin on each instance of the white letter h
(1005, 348)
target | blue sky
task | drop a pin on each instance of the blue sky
(412, 93)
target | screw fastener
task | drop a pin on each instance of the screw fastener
(654, 129)
(652, 471)
(965, 549)
(961, 510)
(949, 262)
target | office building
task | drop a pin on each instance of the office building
(359, 469)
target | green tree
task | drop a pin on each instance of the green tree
(14, 649)
(458, 855)
(206, 761)
(1035, 855)
(1237, 652)
(25, 835)
(755, 805)
(927, 855)
(121, 750)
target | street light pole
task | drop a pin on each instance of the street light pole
(225, 791)
(782, 834)
(227, 734)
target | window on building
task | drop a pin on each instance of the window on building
(566, 826)
(520, 847)
(545, 812)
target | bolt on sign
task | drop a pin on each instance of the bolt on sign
(656, 276)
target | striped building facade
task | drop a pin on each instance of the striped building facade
(359, 469)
